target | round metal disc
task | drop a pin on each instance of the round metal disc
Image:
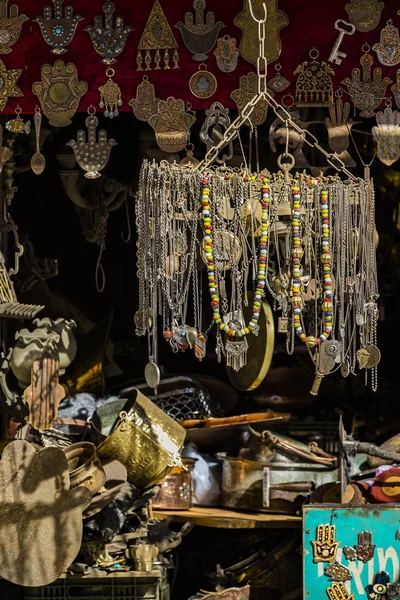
(374, 356)
(261, 348)
(152, 375)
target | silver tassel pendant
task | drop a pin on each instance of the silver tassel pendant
(236, 353)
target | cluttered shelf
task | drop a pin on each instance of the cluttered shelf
(223, 518)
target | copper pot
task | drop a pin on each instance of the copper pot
(85, 467)
(176, 488)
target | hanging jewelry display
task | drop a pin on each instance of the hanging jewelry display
(314, 82)
(5, 152)
(388, 50)
(157, 35)
(395, 89)
(366, 92)
(8, 87)
(59, 92)
(58, 30)
(199, 31)
(92, 154)
(339, 128)
(145, 104)
(38, 161)
(10, 26)
(216, 123)
(364, 14)
(278, 83)
(249, 44)
(387, 135)
(171, 124)
(226, 54)
(17, 125)
(285, 134)
(248, 89)
(110, 96)
(203, 84)
(107, 40)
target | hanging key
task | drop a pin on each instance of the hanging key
(336, 56)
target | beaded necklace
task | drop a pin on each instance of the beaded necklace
(326, 260)
(262, 259)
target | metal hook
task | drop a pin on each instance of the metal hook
(259, 21)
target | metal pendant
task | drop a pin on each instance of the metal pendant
(368, 357)
(189, 162)
(339, 126)
(199, 31)
(314, 82)
(388, 50)
(58, 30)
(200, 346)
(364, 14)
(145, 104)
(157, 35)
(324, 546)
(387, 135)
(395, 89)
(213, 129)
(10, 26)
(59, 92)
(110, 96)
(378, 589)
(365, 548)
(248, 88)
(152, 374)
(203, 84)
(107, 40)
(143, 321)
(337, 572)
(236, 353)
(17, 125)
(393, 591)
(92, 155)
(278, 83)
(226, 54)
(367, 91)
(8, 84)
(172, 124)
(227, 249)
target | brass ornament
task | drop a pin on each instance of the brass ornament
(339, 126)
(152, 374)
(199, 31)
(59, 92)
(337, 572)
(171, 124)
(388, 50)
(5, 152)
(92, 155)
(110, 95)
(365, 548)
(366, 93)
(395, 89)
(17, 125)
(58, 30)
(108, 40)
(157, 35)
(314, 82)
(10, 26)
(282, 133)
(387, 135)
(364, 14)
(212, 131)
(248, 88)
(278, 83)
(38, 161)
(337, 591)
(336, 55)
(324, 546)
(368, 357)
(226, 54)
(189, 162)
(8, 84)
(203, 84)
(145, 104)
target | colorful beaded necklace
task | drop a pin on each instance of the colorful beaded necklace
(262, 260)
(326, 260)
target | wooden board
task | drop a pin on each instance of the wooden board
(229, 519)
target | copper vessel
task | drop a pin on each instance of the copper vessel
(176, 488)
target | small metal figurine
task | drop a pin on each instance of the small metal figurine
(378, 589)
(107, 40)
(212, 131)
(92, 155)
(58, 30)
(10, 26)
(365, 548)
(199, 31)
(110, 95)
(364, 14)
(172, 124)
(278, 83)
(325, 547)
(314, 82)
(337, 572)
(366, 92)
(388, 50)
(203, 84)
(387, 134)
(17, 125)
(145, 104)
(157, 35)
(226, 54)
(339, 126)
(8, 87)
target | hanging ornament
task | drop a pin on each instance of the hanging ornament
(248, 88)
(10, 26)
(387, 134)
(5, 152)
(8, 84)
(314, 82)
(92, 155)
(249, 44)
(145, 104)
(172, 124)
(339, 126)
(278, 83)
(203, 84)
(59, 92)
(366, 92)
(364, 14)
(283, 133)
(395, 89)
(226, 54)
(189, 162)
(107, 40)
(199, 31)
(213, 129)
(110, 96)
(157, 35)
(388, 50)
(57, 30)
(17, 125)
(38, 161)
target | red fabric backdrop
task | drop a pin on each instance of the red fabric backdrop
(311, 24)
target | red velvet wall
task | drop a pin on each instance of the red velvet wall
(311, 24)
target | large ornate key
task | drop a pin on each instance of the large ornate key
(336, 56)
